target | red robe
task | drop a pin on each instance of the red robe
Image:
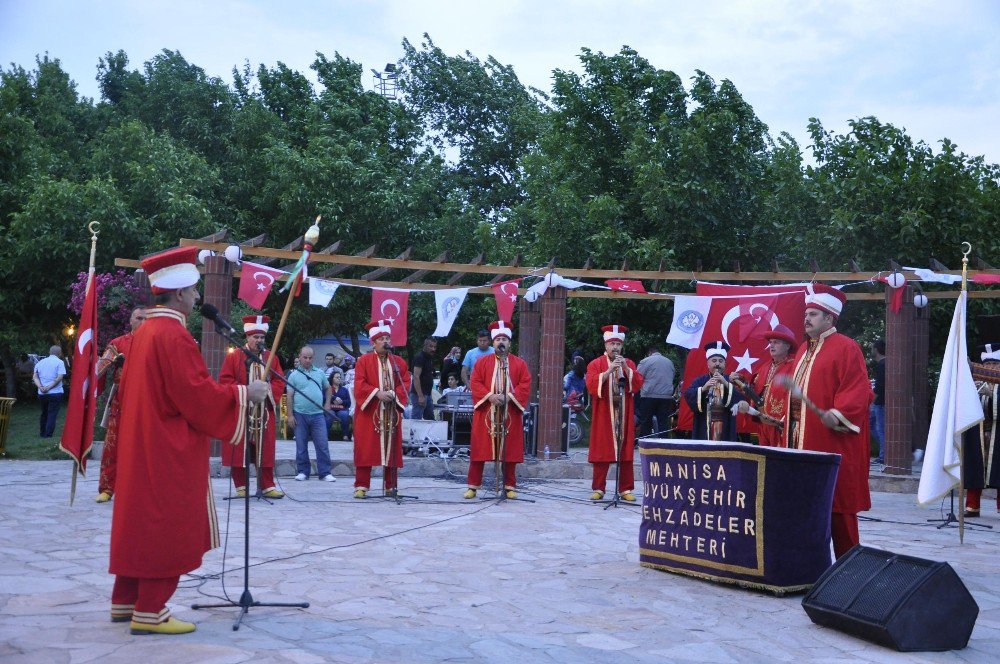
(234, 372)
(603, 442)
(484, 384)
(834, 377)
(775, 397)
(109, 454)
(164, 517)
(368, 443)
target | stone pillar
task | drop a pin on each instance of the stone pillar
(218, 291)
(552, 354)
(921, 391)
(529, 332)
(899, 339)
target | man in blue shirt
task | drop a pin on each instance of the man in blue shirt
(48, 378)
(310, 419)
(482, 349)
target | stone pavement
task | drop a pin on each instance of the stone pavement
(437, 579)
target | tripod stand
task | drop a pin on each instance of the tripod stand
(246, 599)
(951, 519)
(620, 446)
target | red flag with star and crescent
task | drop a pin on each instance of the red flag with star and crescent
(256, 282)
(78, 434)
(506, 296)
(741, 322)
(391, 306)
(626, 285)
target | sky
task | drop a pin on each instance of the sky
(930, 67)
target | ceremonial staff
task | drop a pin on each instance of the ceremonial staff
(617, 388)
(967, 249)
(500, 424)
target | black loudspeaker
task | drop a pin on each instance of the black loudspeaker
(531, 432)
(900, 602)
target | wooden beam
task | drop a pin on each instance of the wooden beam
(329, 250)
(853, 265)
(477, 261)
(218, 236)
(814, 266)
(504, 277)
(981, 264)
(625, 264)
(254, 241)
(589, 264)
(774, 266)
(294, 247)
(420, 274)
(938, 266)
(697, 266)
(656, 282)
(375, 274)
(736, 266)
(337, 269)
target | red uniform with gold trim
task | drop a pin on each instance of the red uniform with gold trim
(109, 454)
(234, 372)
(603, 443)
(164, 518)
(775, 400)
(831, 372)
(372, 374)
(484, 383)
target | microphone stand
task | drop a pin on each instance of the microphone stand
(620, 450)
(246, 599)
(397, 497)
(500, 490)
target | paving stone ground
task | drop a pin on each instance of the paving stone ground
(437, 579)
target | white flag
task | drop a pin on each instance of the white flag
(690, 316)
(448, 301)
(956, 409)
(321, 291)
(930, 275)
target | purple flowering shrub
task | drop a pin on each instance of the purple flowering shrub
(117, 295)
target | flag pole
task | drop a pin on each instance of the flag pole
(94, 228)
(310, 239)
(966, 250)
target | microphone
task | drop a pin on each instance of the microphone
(261, 346)
(211, 312)
(502, 348)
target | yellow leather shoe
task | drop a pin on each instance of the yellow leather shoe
(469, 494)
(169, 626)
(511, 493)
(627, 495)
(103, 497)
(360, 492)
(274, 492)
(241, 493)
(597, 495)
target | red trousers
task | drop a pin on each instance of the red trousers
(109, 459)
(973, 498)
(844, 530)
(626, 480)
(476, 474)
(264, 475)
(144, 600)
(363, 477)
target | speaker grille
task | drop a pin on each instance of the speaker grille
(877, 600)
(838, 591)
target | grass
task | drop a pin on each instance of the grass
(23, 441)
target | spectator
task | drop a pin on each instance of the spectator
(331, 366)
(482, 349)
(453, 386)
(309, 419)
(340, 404)
(48, 378)
(575, 380)
(452, 365)
(657, 391)
(878, 407)
(423, 381)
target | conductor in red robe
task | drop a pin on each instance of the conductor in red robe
(109, 367)
(830, 372)
(613, 382)
(164, 518)
(500, 385)
(234, 372)
(769, 412)
(381, 382)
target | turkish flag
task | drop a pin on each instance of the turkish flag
(506, 295)
(256, 282)
(78, 434)
(628, 285)
(985, 278)
(741, 322)
(390, 306)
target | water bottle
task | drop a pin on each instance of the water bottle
(546, 452)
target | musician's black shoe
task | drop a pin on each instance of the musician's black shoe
(971, 512)
(391, 493)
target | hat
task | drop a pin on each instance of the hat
(255, 324)
(499, 328)
(378, 328)
(614, 332)
(825, 298)
(172, 269)
(781, 333)
(720, 348)
(989, 352)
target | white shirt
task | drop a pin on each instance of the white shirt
(48, 370)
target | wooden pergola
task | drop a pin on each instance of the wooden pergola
(542, 324)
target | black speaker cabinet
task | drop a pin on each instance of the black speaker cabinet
(900, 602)
(531, 432)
